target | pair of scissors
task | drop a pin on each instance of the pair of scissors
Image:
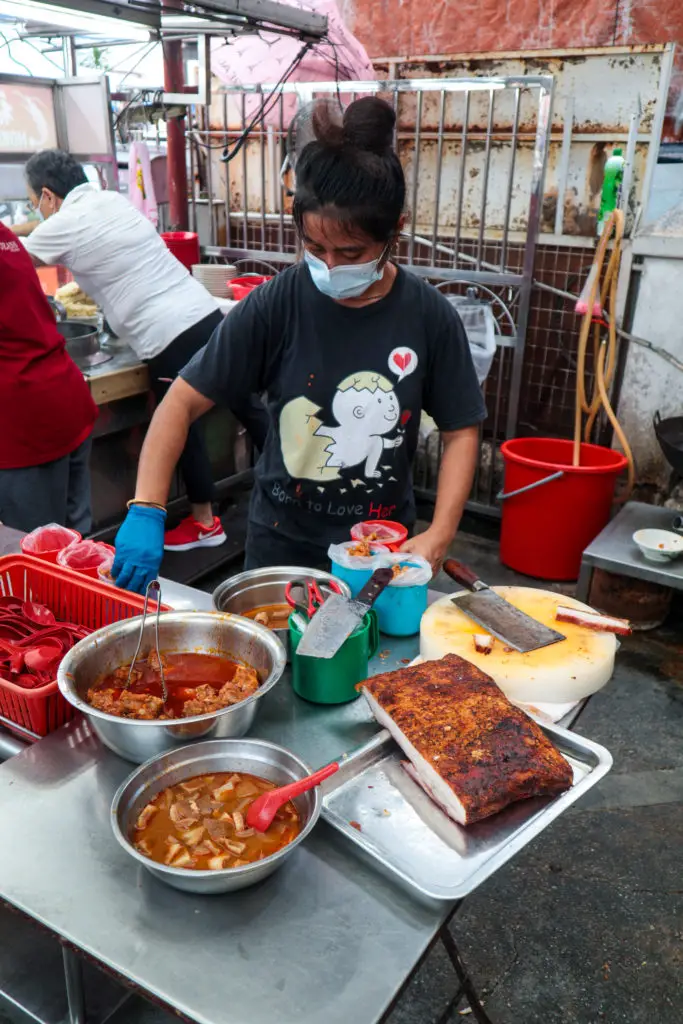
(306, 595)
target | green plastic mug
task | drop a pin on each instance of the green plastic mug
(333, 680)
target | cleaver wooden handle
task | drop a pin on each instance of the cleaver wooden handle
(461, 574)
(380, 579)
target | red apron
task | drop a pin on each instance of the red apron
(46, 409)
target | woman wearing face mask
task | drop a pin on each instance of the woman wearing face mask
(350, 349)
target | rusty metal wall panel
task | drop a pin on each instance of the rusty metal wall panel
(602, 98)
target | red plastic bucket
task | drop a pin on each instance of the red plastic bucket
(546, 528)
(184, 245)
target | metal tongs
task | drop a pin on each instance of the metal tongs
(153, 585)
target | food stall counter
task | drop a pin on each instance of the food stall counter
(324, 939)
(123, 375)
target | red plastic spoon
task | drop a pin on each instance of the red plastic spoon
(261, 812)
(38, 613)
(44, 657)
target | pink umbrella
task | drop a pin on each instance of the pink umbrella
(264, 57)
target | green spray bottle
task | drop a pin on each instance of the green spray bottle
(611, 187)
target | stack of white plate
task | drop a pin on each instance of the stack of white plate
(214, 277)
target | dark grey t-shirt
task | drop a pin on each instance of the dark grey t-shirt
(345, 391)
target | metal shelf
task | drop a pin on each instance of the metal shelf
(32, 979)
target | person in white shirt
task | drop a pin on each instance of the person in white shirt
(146, 294)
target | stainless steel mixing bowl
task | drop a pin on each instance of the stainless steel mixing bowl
(232, 636)
(82, 341)
(257, 757)
(257, 587)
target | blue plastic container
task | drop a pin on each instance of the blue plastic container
(399, 609)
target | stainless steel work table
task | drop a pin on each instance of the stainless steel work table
(614, 549)
(325, 940)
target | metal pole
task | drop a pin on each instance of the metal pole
(416, 172)
(565, 156)
(461, 181)
(176, 168)
(73, 977)
(69, 57)
(508, 201)
(540, 159)
(228, 226)
(10, 745)
(208, 151)
(437, 176)
(245, 193)
(485, 181)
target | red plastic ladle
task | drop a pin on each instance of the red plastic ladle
(261, 812)
(38, 613)
(44, 657)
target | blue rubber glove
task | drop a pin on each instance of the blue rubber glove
(139, 548)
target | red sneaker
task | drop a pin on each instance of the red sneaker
(190, 534)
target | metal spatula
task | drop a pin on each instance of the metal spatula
(496, 615)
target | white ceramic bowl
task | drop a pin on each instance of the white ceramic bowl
(659, 545)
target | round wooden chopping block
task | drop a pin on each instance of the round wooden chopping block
(563, 672)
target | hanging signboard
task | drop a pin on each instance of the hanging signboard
(27, 118)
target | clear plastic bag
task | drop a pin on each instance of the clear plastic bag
(480, 328)
(104, 570)
(418, 573)
(84, 555)
(51, 537)
(339, 553)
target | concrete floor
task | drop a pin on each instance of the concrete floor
(585, 925)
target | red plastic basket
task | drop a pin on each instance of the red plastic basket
(73, 598)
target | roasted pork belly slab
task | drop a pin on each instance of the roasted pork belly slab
(471, 749)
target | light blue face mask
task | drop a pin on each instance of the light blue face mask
(37, 210)
(346, 282)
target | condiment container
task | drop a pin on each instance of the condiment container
(401, 606)
(354, 570)
(333, 680)
(387, 532)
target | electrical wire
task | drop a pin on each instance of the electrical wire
(27, 42)
(138, 62)
(8, 43)
(266, 106)
(116, 67)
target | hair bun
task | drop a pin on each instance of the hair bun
(369, 125)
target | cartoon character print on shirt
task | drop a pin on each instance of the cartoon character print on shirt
(369, 422)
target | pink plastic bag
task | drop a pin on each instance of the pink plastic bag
(47, 541)
(384, 532)
(85, 556)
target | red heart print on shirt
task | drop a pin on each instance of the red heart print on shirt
(402, 361)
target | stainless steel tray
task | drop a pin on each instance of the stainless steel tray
(407, 837)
